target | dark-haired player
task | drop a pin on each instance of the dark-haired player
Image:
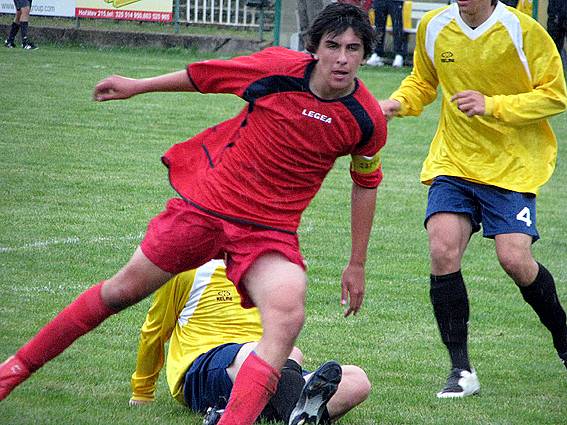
(210, 335)
(243, 186)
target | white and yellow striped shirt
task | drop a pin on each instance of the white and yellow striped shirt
(196, 311)
(510, 59)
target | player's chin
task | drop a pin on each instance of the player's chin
(341, 82)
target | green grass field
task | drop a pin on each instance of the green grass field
(80, 180)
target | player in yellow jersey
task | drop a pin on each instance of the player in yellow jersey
(210, 335)
(501, 79)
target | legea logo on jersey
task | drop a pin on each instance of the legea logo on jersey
(224, 296)
(317, 116)
(447, 57)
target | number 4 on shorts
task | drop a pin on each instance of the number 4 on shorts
(524, 216)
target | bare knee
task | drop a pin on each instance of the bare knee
(520, 267)
(444, 258)
(353, 390)
(296, 355)
(286, 319)
(24, 14)
(360, 385)
(448, 237)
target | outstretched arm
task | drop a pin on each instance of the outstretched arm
(363, 205)
(157, 328)
(117, 87)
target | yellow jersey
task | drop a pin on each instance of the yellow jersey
(510, 59)
(195, 311)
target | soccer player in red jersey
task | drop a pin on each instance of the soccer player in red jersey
(243, 186)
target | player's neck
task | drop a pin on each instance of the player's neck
(330, 94)
(323, 90)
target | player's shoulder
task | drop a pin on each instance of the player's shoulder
(518, 22)
(283, 54)
(282, 60)
(443, 11)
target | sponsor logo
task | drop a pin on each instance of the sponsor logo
(317, 116)
(447, 57)
(224, 296)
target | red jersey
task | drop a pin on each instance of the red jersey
(265, 165)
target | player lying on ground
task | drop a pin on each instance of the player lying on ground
(210, 335)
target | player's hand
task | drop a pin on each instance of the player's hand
(390, 108)
(470, 102)
(352, 288)
(134, 403)
(114, 88)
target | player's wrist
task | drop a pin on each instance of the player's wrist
(137, 400)
(488, 105)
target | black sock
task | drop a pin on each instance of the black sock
(24, 33)
(13, 31)
(451, 308)
(289, 387)
(542, 297)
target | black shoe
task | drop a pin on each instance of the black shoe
(461, 383)
(9, 44)
(212, 416)
(28, 45)
(316, 392)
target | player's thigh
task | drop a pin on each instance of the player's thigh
(243, 353)
(275, 284)
(135, 281)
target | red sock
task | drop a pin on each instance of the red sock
(255, 383)
(81, 316)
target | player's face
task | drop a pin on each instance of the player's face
(475, 9)
(339, 56)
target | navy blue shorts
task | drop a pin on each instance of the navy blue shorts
(206, 381)
(499, 210)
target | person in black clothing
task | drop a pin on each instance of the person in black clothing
(23, 8)
(557, 25)
(383, 8)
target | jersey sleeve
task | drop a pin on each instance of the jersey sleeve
(232, 76)
(366, 161)
(419, 88)
(548, 96)
(156, 331)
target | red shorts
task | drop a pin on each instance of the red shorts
(182, 237)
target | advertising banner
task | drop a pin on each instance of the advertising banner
(131, 10)
(43, 7)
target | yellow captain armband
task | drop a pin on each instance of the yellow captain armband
(365, 164)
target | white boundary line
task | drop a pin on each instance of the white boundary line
(68, 241)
